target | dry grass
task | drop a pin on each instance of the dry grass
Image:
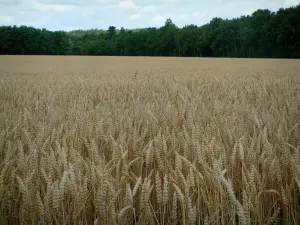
(91, 140)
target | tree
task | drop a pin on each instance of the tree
(167, 38)
(261, 34)
(111, 32)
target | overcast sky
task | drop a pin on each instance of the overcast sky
(87, 14)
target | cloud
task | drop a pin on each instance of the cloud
(79, 2)
(56, 8)
(62, 2)
(182, 20)
(195, 14)
(171, 1)
(9, 2)
(100, 14)
(52, 7)
(6, 19)
(182, 17)
(128, 4)
(135, 16)
(291, 2)
(148, 9)
(158, 20)
(198, 14)
(166, 2)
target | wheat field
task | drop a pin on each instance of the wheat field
(128, 140)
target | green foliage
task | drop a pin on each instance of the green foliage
(262, 34)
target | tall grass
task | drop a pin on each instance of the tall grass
(207, 147)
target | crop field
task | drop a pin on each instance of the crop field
(128, 140)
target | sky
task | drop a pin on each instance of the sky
(91, 14)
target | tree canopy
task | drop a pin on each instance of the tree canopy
(261, 34)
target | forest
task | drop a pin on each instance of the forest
(263, 34)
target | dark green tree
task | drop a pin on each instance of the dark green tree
(261, 34)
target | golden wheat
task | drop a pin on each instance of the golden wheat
(112, 140)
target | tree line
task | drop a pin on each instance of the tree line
(261, 34)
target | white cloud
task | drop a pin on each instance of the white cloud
(88, 14)
(167, 1)
(195, 14)
(6, 19)
(158, 20)
(51, 7)
(77, 2)
(135, 16)
(291, 2)
(148, 9)
(182, 20)
(9, 2)
(129, 4)
(182, 17)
